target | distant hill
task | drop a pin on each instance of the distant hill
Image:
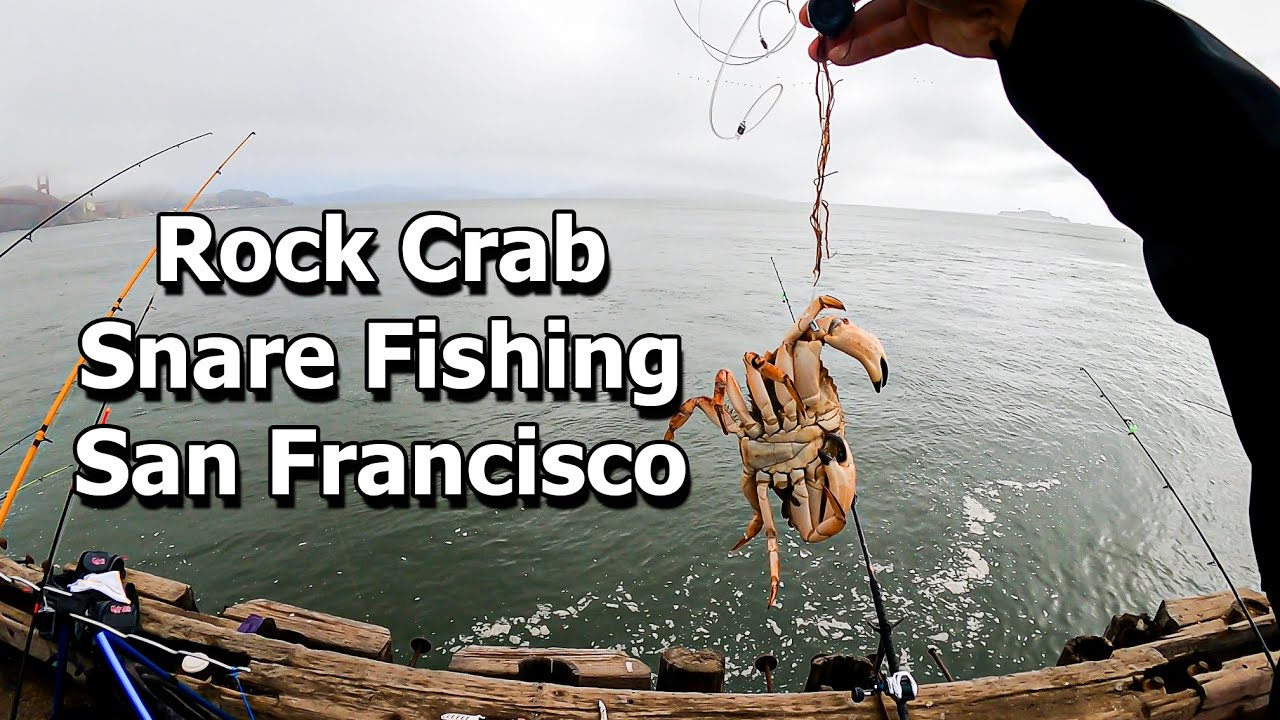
(1033, 215)
(21, 207)
(657, 192)
(390, 194)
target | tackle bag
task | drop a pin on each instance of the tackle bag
(62, 601)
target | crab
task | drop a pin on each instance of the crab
(791, 434)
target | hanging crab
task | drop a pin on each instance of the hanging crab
(791, 434)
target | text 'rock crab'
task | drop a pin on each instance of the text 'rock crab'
(791, 434)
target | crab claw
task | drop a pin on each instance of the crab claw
(863, 346)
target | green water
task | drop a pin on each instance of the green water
(1003, 502)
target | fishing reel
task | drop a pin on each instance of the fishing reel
(901, 686)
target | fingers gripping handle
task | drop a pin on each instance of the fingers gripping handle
(832, 18)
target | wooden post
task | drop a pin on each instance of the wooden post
(685, 670)
(1128, 630)
(1086, 648)
(839, 672)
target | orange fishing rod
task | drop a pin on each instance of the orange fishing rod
(71, 379)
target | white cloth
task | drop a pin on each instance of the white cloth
(110, 584)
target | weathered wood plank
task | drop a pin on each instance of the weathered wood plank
(302, 683)
(1175, 615)
(585, 668)
(13, 632)
(287, 681)
(319, 630)
(1215, 639)
(1240, 683)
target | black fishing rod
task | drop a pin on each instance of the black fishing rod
(28, 235)
(1207, 407)
(1133, 430)
(101, 417)
(898, 684)
(19, 440)
(785, 299)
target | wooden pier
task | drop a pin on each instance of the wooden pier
(1195, 658)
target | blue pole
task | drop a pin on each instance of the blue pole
(60, 669)
(133, 652)
(114, 661)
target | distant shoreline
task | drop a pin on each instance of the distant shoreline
(1033, 215)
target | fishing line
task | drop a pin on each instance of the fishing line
(1193, 402)
(820, 218)
(40, 479)
(1133, 430)
(727, 59)
(87, 193)
(40, 434)
(103, 413)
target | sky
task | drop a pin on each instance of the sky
(519, 97)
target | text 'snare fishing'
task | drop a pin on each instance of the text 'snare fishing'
(119, 362)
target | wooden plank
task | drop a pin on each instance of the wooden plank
(583, 668)
(1215, 639)
(1175, 615)
(1240, 683)
(13, 632)
(318, 630)
(287, 681)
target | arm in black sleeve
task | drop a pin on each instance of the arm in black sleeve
(1179, 134)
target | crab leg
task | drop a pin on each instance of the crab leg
(712, 406)
(771, 535)
(712, 409)
(748, 485)
(750, 427)
(758, 371)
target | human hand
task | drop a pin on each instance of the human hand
(962, 27)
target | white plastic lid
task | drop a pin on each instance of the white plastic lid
(192, 664)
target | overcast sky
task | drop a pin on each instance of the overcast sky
(515, 95)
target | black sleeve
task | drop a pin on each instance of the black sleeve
(1179, 134)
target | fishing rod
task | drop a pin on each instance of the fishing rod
(785, 299)
(898, 684)
(1207, 407)
(17, 442)
(1133, 430)
(101, 418)
(40, 434)
(28, 235)
(104, 412)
